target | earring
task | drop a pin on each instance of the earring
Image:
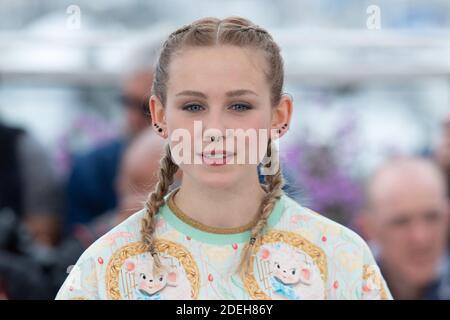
(284, 127)
(157, 126)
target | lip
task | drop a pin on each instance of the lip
(215, 152)
(226, 156)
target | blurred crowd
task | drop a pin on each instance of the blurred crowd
(45, 226)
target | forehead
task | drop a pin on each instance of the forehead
(144, 266)
(217, 69)
(407, 195)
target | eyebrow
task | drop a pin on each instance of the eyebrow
(230, 94)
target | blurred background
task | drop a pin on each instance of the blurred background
(371, 87)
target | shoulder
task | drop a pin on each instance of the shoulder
(316, 226)
(342, 256)
(124, 233)
(86, 279)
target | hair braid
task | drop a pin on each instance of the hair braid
(273, 187)
(155, 200)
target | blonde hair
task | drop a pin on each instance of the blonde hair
(210, 32)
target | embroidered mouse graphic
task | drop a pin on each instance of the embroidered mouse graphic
(148, 286)
(293, 274)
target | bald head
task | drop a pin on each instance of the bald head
(138, 173)
(408, 218)
(136, 90)
(138, 84)
(406, 177)
(442, 150)
(140, 163)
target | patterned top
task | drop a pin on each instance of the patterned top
(301, 255)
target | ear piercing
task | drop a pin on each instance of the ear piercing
(284, 127)
(157, 126)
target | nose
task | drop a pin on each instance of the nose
(420, 235)
(212, 135)
(214, 126)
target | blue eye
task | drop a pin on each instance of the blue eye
(240, 107)
(193, 107)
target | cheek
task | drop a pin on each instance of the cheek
(143, 284)
(260, 123)
(160, 285)
(440, 231)
(294, 278)
(277, 272)
(393, 237)
(258, 119)
(177, 122)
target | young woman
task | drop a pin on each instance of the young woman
(222, 234)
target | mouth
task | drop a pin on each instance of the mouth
(217, 157)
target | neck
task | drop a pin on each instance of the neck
(400, 288)
(229, 207)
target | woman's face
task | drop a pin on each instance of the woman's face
(222, 87)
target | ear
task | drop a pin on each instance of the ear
(447, 215)
(172, 278)
(265, 254)
(364, 224)
(281, 116)
(158, 114)
(306, 275)
(131, 265)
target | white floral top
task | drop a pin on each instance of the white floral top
(302, 255)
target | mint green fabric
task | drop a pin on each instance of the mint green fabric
(301, 255)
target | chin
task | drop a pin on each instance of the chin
(218, 180)
(422, 278)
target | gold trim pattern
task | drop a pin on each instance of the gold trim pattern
(136, 248)
(376, 278)
(293, 239)
(198, 225)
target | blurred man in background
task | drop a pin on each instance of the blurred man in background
(30, 214)
(28, 184)
(406, 219)
(442, 152)
(90, 189)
